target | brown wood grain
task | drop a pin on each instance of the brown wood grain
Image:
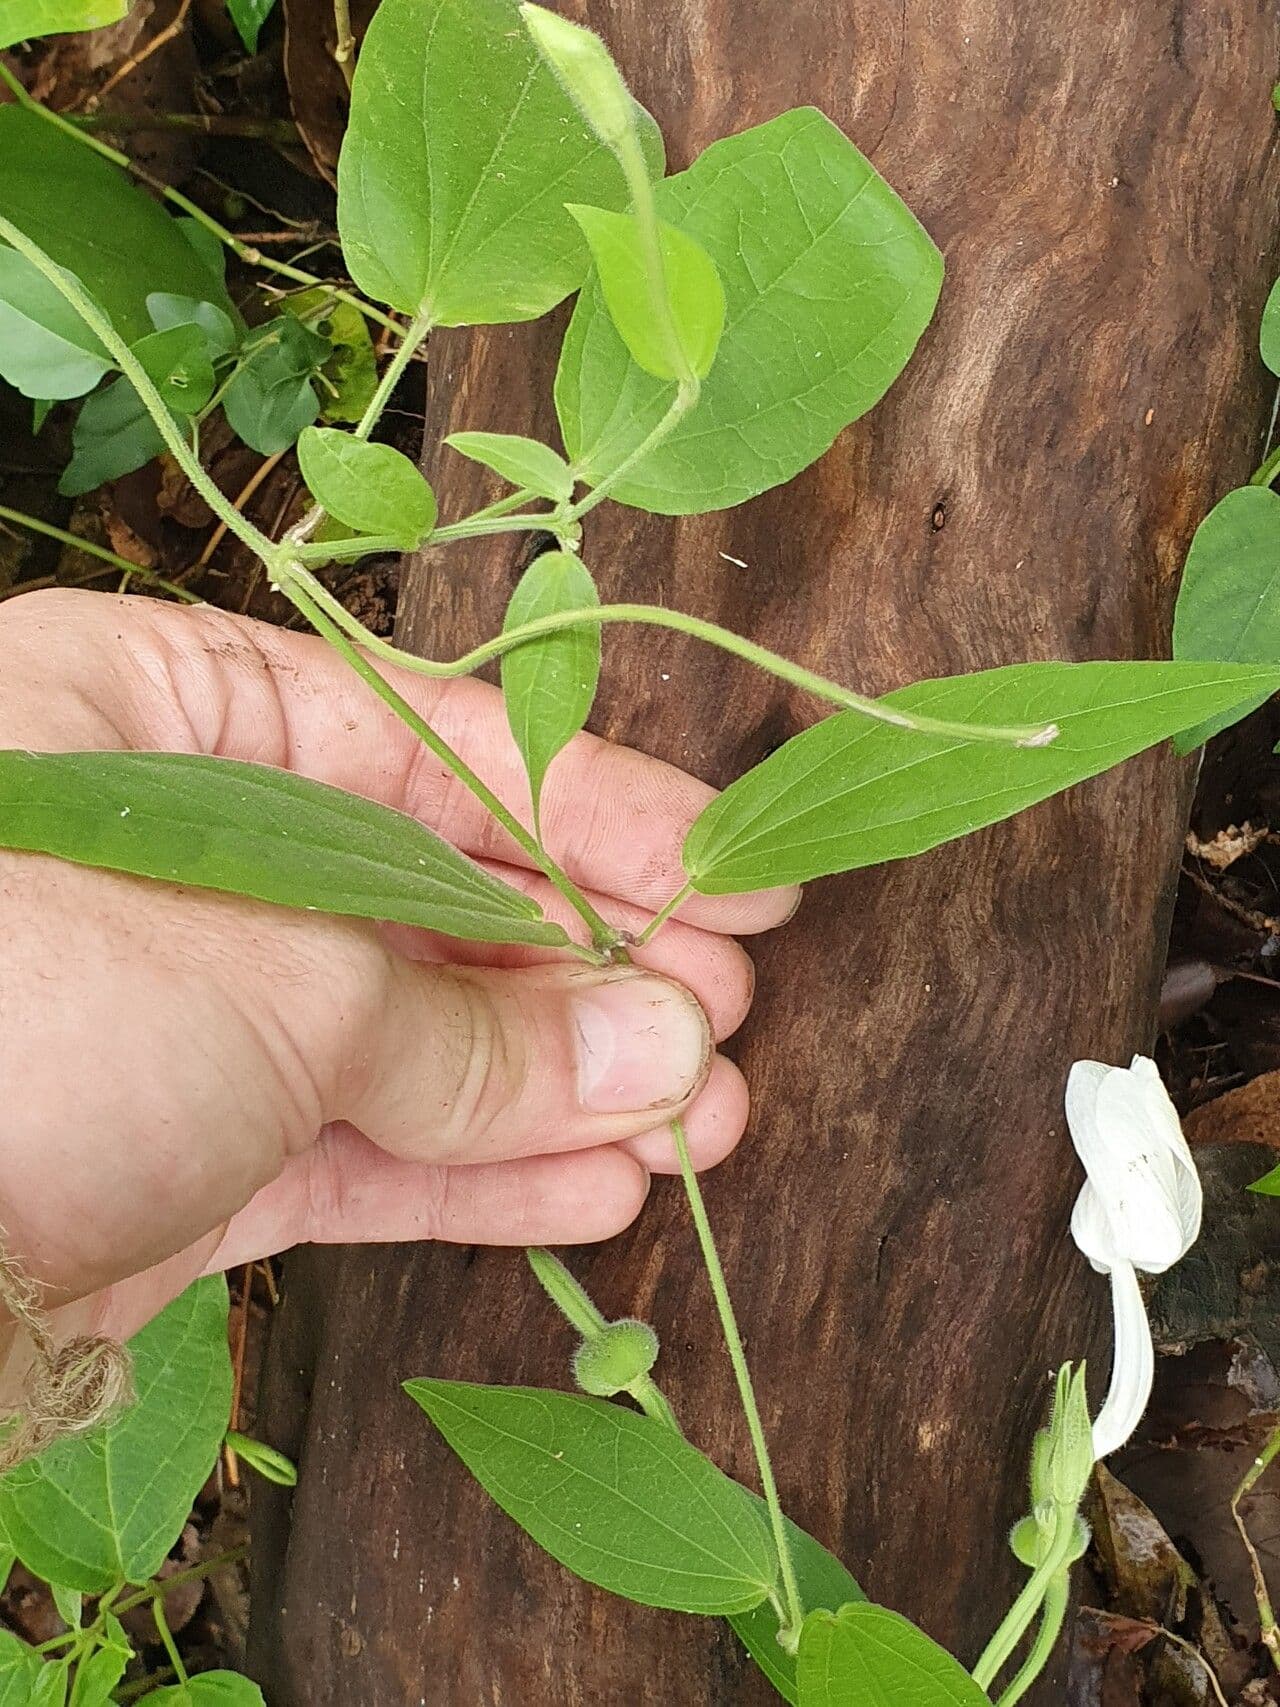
(1103, 181)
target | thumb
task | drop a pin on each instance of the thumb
(477, 1065)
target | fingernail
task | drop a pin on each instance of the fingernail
(642, 1043)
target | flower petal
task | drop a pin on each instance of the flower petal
(1132, 1365)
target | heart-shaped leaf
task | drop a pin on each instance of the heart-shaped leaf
(253, 830)
(622, 1501)
(868, 1656)
(851, 792)
(207, 1689)
(106, 1507)
(461, 150)
(829, 280)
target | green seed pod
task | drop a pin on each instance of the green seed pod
(584, 65)
(615, 1358)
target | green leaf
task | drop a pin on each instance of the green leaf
(69, 1603)
(27, 20)
(872, 1657)
(1228, 607)
(622, 1501)
(549, 684)
(850, 792)
(177, 362)
(372, 488)
(269, 1463)
(249, 16)
(168, 311)
(106, 1507)
(208, 1689)
(823, 1582)
(254, 830)
(271, 399)
(829, 281)
(112, 436)
(46, 350)
(524, 462)
(20, 1666)
(1269, 336)
(51, 1682)
(460, 153)
(695, 296)
(349, 374)
(1269, 1184)
(86, 214)
(98, 1674)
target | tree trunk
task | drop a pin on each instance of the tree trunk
(1103, 182)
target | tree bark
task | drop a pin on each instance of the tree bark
(1103, 182)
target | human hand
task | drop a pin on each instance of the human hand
(195, 1080)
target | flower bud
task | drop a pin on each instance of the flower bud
(585, 67)
(615, 1358)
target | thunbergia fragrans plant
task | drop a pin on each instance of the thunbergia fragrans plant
(730, 322)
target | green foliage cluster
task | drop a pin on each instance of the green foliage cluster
(730, 322)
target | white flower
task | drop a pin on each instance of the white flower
(1139, 1209)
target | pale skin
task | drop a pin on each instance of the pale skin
(194, 1081)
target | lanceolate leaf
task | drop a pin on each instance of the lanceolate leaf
(851, 792)
(524, 462)
(253, 830)
(461, 151)
(867, 1656)
(621, 1500)
(249, 16)
(829, 281)
(106, 1507)
(46, 350)
(549, 684)
(122, 250)
(1228, 605)
(28, 20)
(374, 489)
(695, 299)
(823, 1581)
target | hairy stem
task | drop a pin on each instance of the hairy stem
(789, 1634)
(1014, 1625)
(129, 365)
(1267, 472)
(603, 935)
(748, 650)
(1053, 1612)
(686, 398)
(166, 1636)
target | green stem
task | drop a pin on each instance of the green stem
(89, 549)
(166, 1636)
(1267, 472)
(161, 1586)
(124, 358)
(299, 588)
(1014, 1625)
(1052, 1614)
(244, 251)
(663, 914)
(575, 1305)
(344, 51)
(789, 1634)
(748, 650)
(413, 338)
(686, 398)
(472, 527)
(1267, 1626)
